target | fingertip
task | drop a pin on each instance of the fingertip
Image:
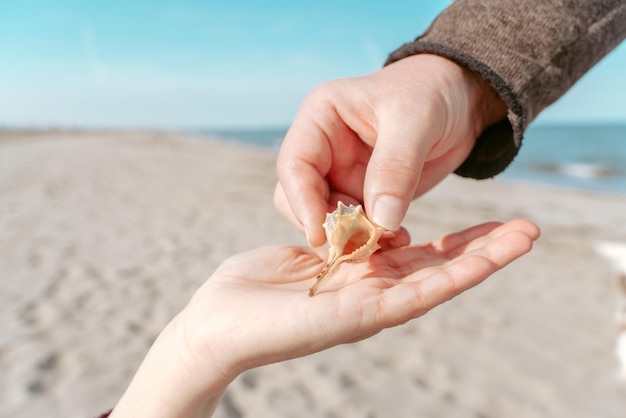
(395, 239)
(305, 211)
(527, 227)
(388, 212)
(315, 237)
(533, 230)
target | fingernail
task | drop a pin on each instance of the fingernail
(388, 212)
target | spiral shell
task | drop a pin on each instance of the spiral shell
(351, 238)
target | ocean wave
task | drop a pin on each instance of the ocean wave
(579, 170)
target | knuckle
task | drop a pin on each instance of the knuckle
(397, 167)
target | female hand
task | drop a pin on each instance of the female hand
(381, 140)
(255, 310)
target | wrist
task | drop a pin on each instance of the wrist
(489, 107)
(169, 383)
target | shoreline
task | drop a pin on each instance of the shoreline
(260, 138)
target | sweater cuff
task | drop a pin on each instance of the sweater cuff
(498, 145)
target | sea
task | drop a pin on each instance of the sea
(579, 156)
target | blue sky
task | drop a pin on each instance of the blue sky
(192, 64)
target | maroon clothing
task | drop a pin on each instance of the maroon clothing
(530, 51)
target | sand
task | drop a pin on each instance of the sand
(104, 236)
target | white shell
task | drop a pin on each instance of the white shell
(351, 238)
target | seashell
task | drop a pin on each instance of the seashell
(351, 238)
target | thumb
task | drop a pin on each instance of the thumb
(393, 174)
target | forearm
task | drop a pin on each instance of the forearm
(168, 385)
(530, 52)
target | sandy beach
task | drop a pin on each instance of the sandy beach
(104, 236)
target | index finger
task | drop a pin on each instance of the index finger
(304, 159)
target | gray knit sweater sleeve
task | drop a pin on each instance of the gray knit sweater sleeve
(530, 51)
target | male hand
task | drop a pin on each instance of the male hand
(381, 140)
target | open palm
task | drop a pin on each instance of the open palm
(255, 309)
